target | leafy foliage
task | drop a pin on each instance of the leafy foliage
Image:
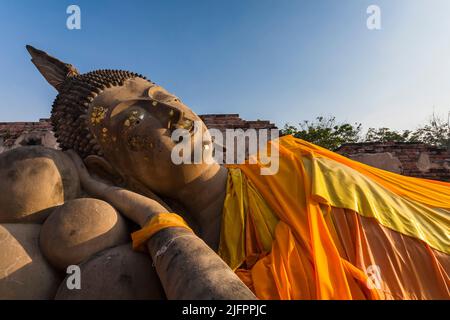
(387, 135)
(328, 133)
(436, 132)
(325, 132)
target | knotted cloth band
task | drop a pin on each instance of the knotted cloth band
(157, 223)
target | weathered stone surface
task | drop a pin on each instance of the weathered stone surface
(32, 181)
(16, 134)
(24, 272)
(43, 138)
(118, 273)
(383, 160)
(79, 229)
(424, 163)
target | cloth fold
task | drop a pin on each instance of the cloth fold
(285, 236)
(157, 223)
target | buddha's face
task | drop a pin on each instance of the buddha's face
(133, 124)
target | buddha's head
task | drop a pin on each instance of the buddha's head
(121, 124)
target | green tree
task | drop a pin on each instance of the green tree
(436, 132)
(328, 133)
(387, 135)
(325, 132)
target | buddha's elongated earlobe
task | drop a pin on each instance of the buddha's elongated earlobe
(53, 70)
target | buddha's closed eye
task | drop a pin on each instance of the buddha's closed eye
(134, 118)
(134, 110)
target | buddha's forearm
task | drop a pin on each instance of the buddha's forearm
(189, 269)
(133, 205)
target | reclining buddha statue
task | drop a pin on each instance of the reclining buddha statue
(321, 227)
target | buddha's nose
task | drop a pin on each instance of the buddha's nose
(174, 117)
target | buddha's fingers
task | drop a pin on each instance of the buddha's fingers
(93, 187)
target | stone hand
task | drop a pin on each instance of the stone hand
(92, 186)
(134, 206)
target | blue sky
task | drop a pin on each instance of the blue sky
(283, 60)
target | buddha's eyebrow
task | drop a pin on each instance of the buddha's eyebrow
(122, 106)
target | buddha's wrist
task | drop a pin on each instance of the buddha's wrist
(163, 238)
(156, 223)
(145, 219)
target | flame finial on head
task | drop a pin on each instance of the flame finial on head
(52, 69)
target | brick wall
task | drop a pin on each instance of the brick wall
(410, 159)
(233, 121)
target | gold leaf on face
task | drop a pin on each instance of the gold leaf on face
(132, 119)
(97, 115)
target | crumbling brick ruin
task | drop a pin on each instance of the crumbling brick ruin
(410, 159)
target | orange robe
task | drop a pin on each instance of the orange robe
(327, 227)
